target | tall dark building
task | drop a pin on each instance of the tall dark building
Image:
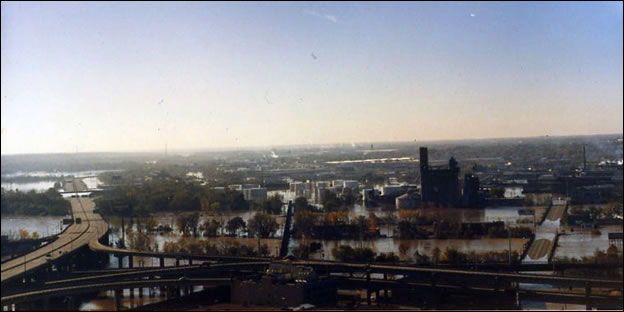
(470, 197)
(439, 184)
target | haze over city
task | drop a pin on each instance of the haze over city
(250, 156)
(141, 76)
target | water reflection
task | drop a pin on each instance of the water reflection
(43, 225)
(40, 186)
(579, 244)
(77, 174)
(405, 249)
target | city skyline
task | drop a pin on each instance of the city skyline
(97, 77)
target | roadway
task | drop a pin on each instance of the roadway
(75, 290)
(545, 235)
(74, 237)
(442, 275)
(415, 276)
(96, 246)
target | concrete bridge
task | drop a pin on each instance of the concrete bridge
(350, 275)
(77, 235)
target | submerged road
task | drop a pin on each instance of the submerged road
(91, 228)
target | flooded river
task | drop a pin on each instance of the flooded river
(570, 245)
(43, 225)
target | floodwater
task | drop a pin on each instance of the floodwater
(43, 225)
(42, 186)
(77, 174)
(160, 238)
(92, 182)
(406, 249)
(39, 186)
(506, 214)
(384, 244)
(581, 243)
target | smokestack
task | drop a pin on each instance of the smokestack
(424, 158)
(584, 159)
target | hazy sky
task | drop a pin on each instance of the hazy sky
(137, 76)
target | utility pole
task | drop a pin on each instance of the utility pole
(534, 222)
(509, 239)
(123, 232)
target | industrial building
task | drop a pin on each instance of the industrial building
(257, 194)
(284, 285)
(440, 185)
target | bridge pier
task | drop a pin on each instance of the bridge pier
(162, 262)
(368, 288)
(21, 307)
(588, 303)
(46, 303)
(140, 292)
(117, 300)
(119, 262)
(190, 261)
(177, 263)
(71, 303)
(132, 292)
(130, 261)
(496, 284)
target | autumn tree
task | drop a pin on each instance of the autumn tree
(211, 227)
(23, 233)
(235, 224)
(188, 222)
(304, 223)
(263, 225)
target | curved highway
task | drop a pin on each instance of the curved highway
(74, 237)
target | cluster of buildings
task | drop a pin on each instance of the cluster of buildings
(590, 187)
(491, 182)
(314, 191)
(251, 192)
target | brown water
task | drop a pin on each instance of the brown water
(580, 243)
(105, 300)
(423, 246)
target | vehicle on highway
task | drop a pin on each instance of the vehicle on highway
(78, 220)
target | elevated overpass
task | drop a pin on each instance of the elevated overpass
(77, 235)
(449, 280)
(87, 234)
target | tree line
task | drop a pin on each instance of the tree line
(49, 203)
(164, 195)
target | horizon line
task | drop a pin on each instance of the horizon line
(255, 147)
